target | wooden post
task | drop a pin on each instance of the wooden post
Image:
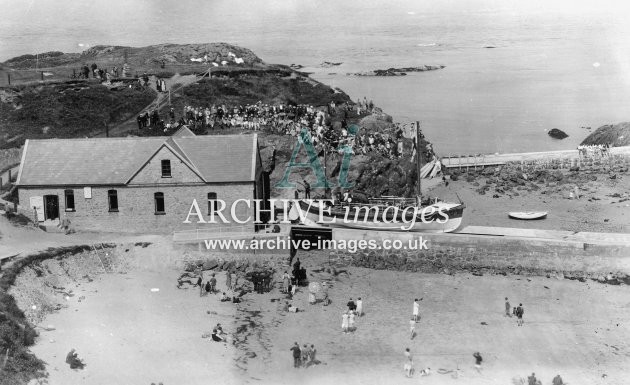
(9, 78)
(418, 159)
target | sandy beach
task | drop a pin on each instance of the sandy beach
(130, 324)
(562, 334)
(127, 333)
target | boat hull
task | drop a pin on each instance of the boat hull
(529, 216)
(312, 216)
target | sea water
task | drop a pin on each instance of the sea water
(514, 69)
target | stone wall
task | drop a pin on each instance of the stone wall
(136, 206)
(448, 253)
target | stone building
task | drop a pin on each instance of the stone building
(140, 184)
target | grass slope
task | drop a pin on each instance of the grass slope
(615, 135)
(68, 110)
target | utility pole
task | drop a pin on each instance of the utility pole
(418, 160)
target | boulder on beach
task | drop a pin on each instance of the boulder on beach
(557, 134)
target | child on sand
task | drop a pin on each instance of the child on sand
(285, 282)
(416, 309)
(305, 354)
(408, 365)
(344, 322)
(519, 314)
(507, 308)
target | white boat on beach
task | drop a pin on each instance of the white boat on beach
(382, 214)
(527, 215)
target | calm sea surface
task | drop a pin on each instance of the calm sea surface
(563, 64)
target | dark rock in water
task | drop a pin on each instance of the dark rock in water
(489, 46)
(398, 71)
(557, 134)
(328, 64)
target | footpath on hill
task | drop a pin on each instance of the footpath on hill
(173, 84)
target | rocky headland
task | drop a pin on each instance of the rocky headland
(614, 135)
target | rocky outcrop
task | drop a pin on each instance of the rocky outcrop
(514, 179)
(398, 71)
(557, 134)
(154, 55)
(614, 135)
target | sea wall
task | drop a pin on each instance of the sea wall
(448, 253)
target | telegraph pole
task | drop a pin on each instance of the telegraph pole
(418, 160)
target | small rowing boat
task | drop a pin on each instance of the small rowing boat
(527, 215)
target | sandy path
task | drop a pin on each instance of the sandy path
(568, 327)
(128, 334)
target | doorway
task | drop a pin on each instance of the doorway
(51, 207)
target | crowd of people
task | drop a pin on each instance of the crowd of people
(594, 150)
(97, 73)
(287, 119)
(304, 356)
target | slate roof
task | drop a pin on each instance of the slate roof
(113, 161)
(183, 132)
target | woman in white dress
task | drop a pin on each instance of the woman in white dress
(351, 321)
(344, 322)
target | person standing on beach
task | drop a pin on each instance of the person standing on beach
(351, 321)
(507, 308)
(285, 282)
(305, 355)
(344, 322)
(296, 355)
(416, 310)
(412, 327)
(213, 283)
(359, 307)
(351, 305)
(519, 314)
(478, 361)
(200, 284)
(228, 280)
(408, 365)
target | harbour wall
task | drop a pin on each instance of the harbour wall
(493, 254)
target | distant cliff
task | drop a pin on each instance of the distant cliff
(615, 135)
(141, 57)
